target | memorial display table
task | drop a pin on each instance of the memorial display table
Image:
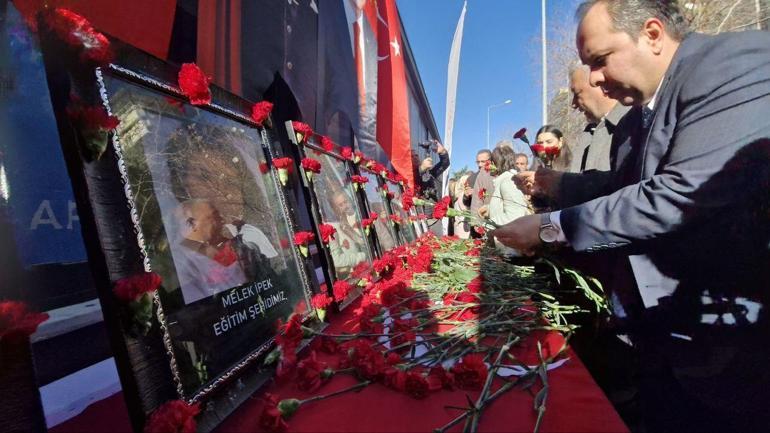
(575, 403)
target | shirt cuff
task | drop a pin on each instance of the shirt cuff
(556, 221)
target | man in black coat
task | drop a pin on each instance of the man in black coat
(689, 210)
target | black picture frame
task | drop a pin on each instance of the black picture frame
(148, 364)
(350, 241)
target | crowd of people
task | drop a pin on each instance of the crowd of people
(665, 200)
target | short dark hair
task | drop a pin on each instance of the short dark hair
(482, 151)
(628, 16)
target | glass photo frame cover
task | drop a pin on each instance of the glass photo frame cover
(203, 200)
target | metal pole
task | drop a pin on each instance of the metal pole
(545, 66)
(488, 108)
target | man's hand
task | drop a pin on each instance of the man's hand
(484, 211)
(542, 183)
(440, 149)
(522, 234)
(468, 191)
(525, 181)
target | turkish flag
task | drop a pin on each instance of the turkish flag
(392, 100)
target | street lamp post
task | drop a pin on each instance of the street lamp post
(489, 109)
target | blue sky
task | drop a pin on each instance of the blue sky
(500, 59)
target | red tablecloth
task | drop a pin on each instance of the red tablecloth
(575, 403)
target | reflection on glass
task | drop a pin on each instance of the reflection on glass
(406, 229)
(206, 208)
(385, 234)
(349, 249)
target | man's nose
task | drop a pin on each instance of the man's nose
(596, 77)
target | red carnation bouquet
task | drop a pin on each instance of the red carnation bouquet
(302, 240)
(327, 232)
(136, 292)
(17, 321)
(194, 84)
(302, 130)
(260, 112)
(311, 167)
(283, 165)
(174, 416)
(358, 181)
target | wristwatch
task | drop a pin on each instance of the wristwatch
(549, 234)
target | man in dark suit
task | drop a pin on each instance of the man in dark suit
(690, 210)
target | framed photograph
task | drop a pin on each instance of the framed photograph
(334, 203)
(407, 229)
(211, 220)
(383, 229)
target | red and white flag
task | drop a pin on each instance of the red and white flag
(392, 99)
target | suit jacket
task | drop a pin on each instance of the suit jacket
(690, 210)
(593, 147)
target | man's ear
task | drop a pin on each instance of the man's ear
(652, 33)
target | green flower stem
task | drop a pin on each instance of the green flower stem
(335, 393)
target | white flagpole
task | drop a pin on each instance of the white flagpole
(453, 71)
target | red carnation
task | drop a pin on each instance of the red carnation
(194, 84)
(552, 151)
(284, 166)
(482, 193)
(368, 362)
(303, 131)
(79, 34)
(321, 301)
(358, 181)
(538, 149)
(366, 223)
(271, 419)
(260, 112)
(311, 164)
(358, 157)
(439, 378)
(263, 167)
(374, 215)
(311, 373)
(396, 219)
(347, 153)
(286, 162)
(91, 118)
(327, 144)
(471, 372)
(131, 288)
(174, 416)
(17, 321)
(341, 289)
(521, 134)
(327, 232)
(441, 208)
(290, 334)
(407, 200)
(416, 385)
(303, 238)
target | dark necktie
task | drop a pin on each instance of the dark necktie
(647, 116)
